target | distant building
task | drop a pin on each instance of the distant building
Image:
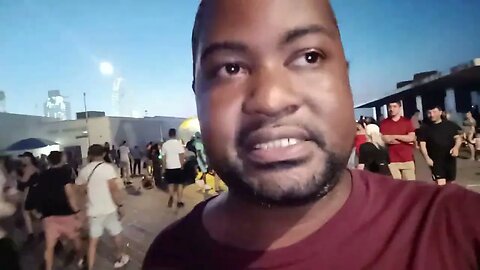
(91, 114)
(77, 135)
(3, 101)
(57, 107)
(456, 90)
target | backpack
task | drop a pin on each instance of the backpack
(191, 147)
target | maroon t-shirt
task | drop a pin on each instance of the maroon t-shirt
(402, 152)
(385, 224)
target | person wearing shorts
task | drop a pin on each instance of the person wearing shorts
(440, 142)
(57, 204)
(173, 159)
(125, 162)
(103, 204)
(399, 134)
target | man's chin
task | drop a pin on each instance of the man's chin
(286, 190)
(287, 184)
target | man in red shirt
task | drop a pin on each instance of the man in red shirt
(269, 77)
(399, 133)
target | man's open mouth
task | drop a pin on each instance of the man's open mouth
(276, 145)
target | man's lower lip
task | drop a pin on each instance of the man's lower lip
(273, 155)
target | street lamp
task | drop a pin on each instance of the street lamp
(86, 117)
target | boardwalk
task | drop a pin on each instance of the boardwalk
(147, 214)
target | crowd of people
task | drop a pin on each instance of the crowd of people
(387, 147)
(72, 203)
(61, 205)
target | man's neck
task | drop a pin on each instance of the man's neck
(438, 121)
(235, 222)
(97, 159)
(396, 117)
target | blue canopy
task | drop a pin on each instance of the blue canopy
(30, 143)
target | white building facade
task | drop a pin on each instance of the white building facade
(77, 135)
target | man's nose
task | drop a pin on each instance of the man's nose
(271, 93)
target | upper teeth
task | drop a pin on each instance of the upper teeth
(277, 143)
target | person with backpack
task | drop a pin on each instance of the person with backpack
(104, 203)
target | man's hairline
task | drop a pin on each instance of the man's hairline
(196, 33)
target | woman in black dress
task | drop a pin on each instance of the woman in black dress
(373, 156)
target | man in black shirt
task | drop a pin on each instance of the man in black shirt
(58, 207)
(440, 142)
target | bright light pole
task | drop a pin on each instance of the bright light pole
(86, 117)
(107, 69)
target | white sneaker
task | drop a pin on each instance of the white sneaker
(122, 261)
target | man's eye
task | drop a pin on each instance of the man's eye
(308, 59)
(230, 70)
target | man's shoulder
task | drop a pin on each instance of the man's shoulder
(100, 166)
(452, 124)
(171, 144)
(385, 121)
(405, 121)
(167, 143)
(175, 243)
(420, 197)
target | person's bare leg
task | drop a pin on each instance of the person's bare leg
(204, 177)
(180, 193)
(216, 182)
(171, 193)
(92, 249)
(119, 247)
(472, 151)
(171, 190)
(77, 244)
(441, 182)
(49, 252)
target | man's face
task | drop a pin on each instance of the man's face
(273, 98)
(393, 109)
(434, 115)
(25, 161)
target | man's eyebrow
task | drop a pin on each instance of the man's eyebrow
(223, 46)
(299, 32)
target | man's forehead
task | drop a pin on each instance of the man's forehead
(270, 12)
(246, 20)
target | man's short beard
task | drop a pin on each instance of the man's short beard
(319, 186)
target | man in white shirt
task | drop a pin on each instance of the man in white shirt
(103, 203)
(124, 151)
(173, 159)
